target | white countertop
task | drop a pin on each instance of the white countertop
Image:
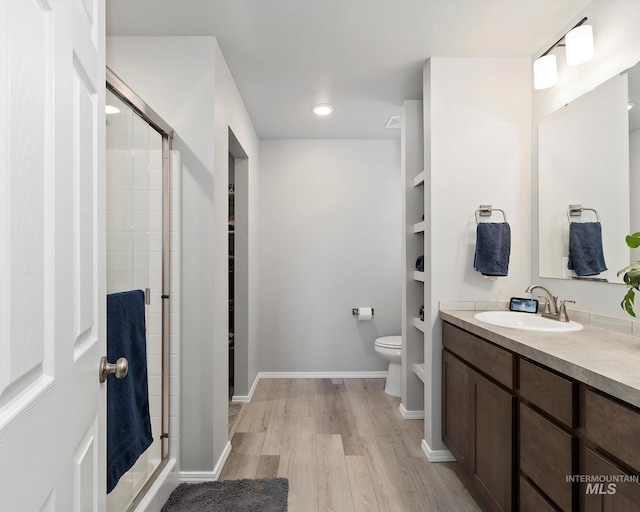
(604, 359)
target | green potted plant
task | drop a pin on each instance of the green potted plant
(631, 276)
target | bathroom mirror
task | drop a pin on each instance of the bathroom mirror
(589, 157)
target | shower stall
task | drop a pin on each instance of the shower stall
(139, 180)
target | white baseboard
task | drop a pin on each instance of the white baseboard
(207, 476)
(381, 374)
(242, 399)
(411, 415)
(436, 455)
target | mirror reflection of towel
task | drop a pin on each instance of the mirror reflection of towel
(586, 256)
(493, 248)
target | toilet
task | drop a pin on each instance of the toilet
(389, 348)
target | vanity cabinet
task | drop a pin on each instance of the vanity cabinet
(524, 432)
(478, 416)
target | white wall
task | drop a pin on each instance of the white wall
(330, 241)
(186, 81)
(480, 132)
(231, 113)
(617, 47)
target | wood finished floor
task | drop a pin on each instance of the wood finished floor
(344, 447)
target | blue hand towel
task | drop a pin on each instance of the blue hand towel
(585, 248)
(493, 248)
(128, 421)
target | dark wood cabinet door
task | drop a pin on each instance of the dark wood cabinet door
(491, 454)
(610, 495)
(455, 402)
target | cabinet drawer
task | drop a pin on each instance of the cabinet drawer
(531, 501)
(547, 456)
(552, 393)
(598, 497)
(613, 427)
(496, 362)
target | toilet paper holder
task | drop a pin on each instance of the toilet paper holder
(355, 311)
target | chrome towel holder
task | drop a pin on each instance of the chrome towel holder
(485, 210)
(575, 210)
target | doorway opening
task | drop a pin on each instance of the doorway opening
(238, 274)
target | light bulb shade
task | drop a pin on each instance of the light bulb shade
(545, 72)
(579, 45)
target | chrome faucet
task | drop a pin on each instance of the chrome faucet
(552, 310)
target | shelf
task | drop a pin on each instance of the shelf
(419, 227)
(420, 372)
(418, 276)
(418, 324)
(419, 179)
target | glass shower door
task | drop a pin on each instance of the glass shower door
(134, 259)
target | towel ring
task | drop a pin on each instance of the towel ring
(486, 210)
(575, 210)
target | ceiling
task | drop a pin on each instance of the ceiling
(363, 56)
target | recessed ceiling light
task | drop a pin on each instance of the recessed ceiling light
(322, 109)
(630, 105)
(110, 109)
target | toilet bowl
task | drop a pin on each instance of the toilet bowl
(389, 348)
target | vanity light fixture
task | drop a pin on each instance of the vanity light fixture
(579, 45)
(545, 72)
(110, 109)
(322, 109)
(579, 48)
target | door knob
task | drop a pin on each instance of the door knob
(119, 368)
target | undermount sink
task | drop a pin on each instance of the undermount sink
(526, 321)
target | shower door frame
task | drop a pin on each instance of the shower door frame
(137, 104)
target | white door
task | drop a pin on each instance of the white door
(52, 255)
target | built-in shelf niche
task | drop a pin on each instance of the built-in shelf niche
(420, 372)
(414, 183)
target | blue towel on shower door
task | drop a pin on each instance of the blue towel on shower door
(128, 421)
(493, 248)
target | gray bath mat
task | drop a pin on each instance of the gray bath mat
(262, 495)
